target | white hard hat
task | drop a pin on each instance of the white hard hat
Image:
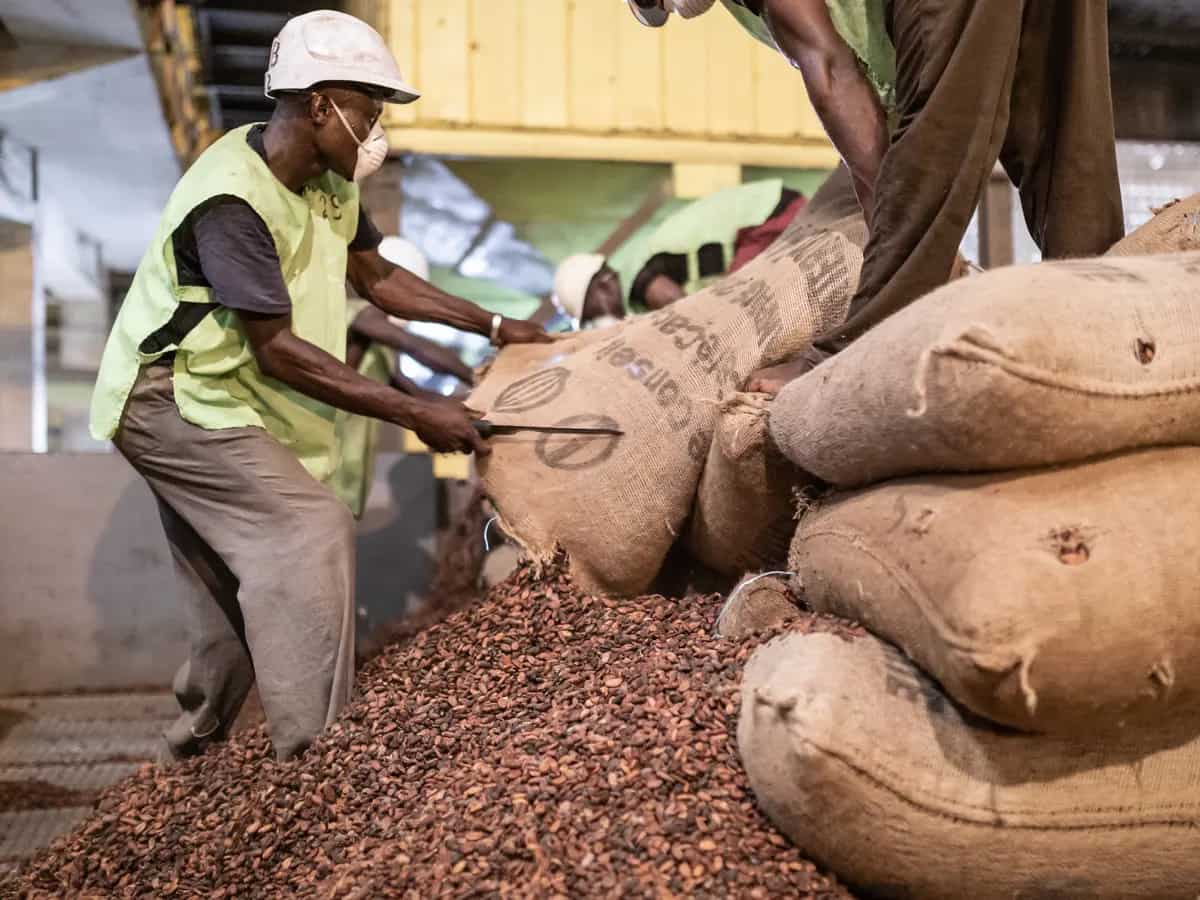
(572, 278)
(327, 45)
(405, 254)
(649, 12)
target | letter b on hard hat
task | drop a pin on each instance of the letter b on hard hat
(332, 46)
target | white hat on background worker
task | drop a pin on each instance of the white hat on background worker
(405, 254)
(655, 13)
(327, 45)
(571, 281)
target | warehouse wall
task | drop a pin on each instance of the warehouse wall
(581, 79)
(87, 595)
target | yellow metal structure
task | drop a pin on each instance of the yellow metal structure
(580, 79)
(446, 466)
(169, 33)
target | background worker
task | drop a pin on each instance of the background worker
(373, 339)
(589, 290)
(698, 243)
(966, 82)
(224, 371)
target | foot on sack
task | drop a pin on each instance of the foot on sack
(771, 379)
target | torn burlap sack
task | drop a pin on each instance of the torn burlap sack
(616, 504)
(1174, 228)
(758, 602)
(1060, 600)
(875, 774)
(745, 509)
(1020, 367)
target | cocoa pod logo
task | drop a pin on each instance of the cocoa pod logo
(532, 391)
(572, 452)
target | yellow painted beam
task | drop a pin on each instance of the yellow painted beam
(579, 79)
(451, 466)
(446, 466)
(530, 144)
(413, 444)
(694, 180)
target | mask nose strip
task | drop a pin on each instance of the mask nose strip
(346, 124)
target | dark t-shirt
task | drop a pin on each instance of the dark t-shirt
(224, 244)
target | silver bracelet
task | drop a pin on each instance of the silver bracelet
(496, 322)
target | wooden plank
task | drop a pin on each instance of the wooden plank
(543, 63)
(398, 25)
(731, 83)
(685, 84)
(443, 29)
(495, 64)
(592, 62)
(639, 86)
(584, 66)
(781, 102)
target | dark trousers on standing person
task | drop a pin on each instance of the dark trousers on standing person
(1025, 82)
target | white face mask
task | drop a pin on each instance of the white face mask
(689, 9)
(372, 152)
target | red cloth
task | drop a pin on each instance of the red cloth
(754, 239)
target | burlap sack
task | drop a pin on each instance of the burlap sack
(876, 775)
(1060, 600)
(758, 602)
(617, 504)
(1025, 366)
(745, 508)
(1175, 228)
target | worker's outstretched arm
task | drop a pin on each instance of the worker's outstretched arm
(443, 424)
(400, 293)
(839, 89)
(373, 324)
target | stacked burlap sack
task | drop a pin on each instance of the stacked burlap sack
(1022, 519)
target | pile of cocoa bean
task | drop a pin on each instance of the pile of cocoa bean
(541, 743)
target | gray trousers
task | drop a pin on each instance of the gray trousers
(265, 559)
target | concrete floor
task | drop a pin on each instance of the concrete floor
(79, 742)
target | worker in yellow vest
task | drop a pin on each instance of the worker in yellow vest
(921, 98)
(224, 373)
(696, 244)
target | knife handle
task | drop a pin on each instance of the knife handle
(483, 428)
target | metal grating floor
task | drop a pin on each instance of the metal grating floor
(79, 742)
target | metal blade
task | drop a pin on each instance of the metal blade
(552, 429)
